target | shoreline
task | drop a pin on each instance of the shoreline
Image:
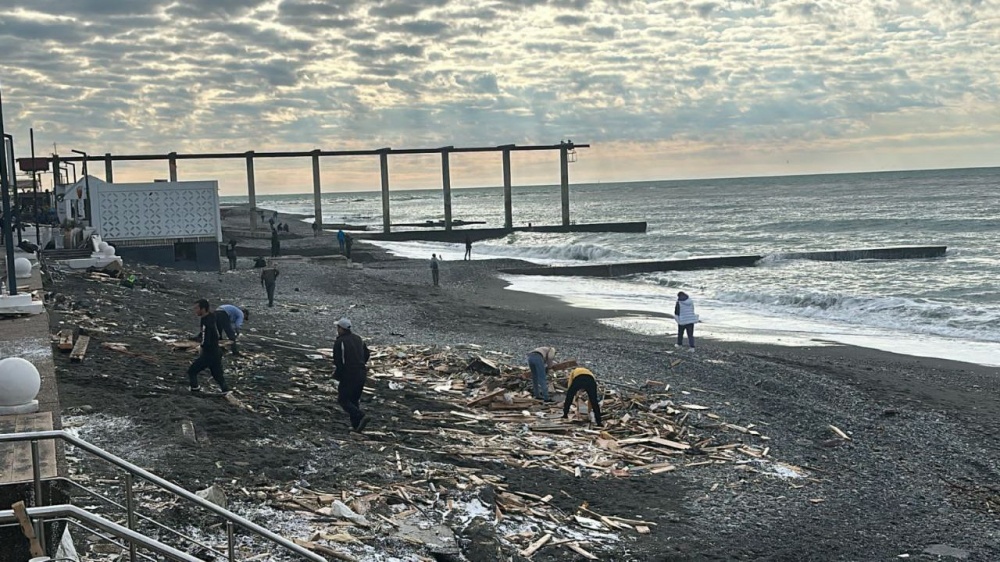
(919, 469)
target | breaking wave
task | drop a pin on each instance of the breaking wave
(924, 316)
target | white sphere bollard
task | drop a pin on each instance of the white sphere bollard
(22, 268)
(19, 385)
(102, 247)
(109, 252)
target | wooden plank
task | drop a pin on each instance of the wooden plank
(575, 547)
(29, 532)
(839, 433)
(486, 397)
(17, 458)
(533, 548)
(65, 340)
(80, 349)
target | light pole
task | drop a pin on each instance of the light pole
(34, 188)
(86, 183)
(8, 237)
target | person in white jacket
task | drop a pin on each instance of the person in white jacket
(686, 319)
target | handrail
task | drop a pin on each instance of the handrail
(165, 484)
(72, 511)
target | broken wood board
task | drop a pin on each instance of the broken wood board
(79, 349)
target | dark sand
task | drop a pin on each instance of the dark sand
(921, 469)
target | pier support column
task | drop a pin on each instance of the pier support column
(172, 162)
(508, 209)
(317, 195)
(251, 192)
(109, 173)
(384, 164)
(56, 171)
(446, 183)
(564, 181)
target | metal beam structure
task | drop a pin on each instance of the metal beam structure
(317, 195)
(383, 159)
(446, 185)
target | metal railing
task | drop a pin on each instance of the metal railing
(131, 471)
(73, 514)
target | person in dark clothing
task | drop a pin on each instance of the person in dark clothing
(268, 279)
(231, 254)
(583, 379)
(315, 228)
(435, 271)
(341, 239)
(350, 359)
(275, 244)
(468, 247)
(211, 354)
(348, 243)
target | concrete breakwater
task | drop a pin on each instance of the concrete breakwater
(632, 268)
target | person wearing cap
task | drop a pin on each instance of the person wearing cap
(230, 320)
(350, 359)
(540, 360)
(582, 379)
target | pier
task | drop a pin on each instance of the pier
(566, 151)
(633, 268)
(477, 234)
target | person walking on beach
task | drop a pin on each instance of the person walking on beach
(275, 244)
(468, 247)
(583, 379)
(350, 360)
(231, 254)
(315, 228)
(268, 277)
(230, 319)
(434, 269)
(348, 243)
(540, 360)
(211, 354)
(686, 319)
(342, 239)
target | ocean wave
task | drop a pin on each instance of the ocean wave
(565, 252)
(924, 316)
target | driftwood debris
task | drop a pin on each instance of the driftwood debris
(65, 340)
(80, 349)
(29, 531)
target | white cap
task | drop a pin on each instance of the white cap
(344, 323)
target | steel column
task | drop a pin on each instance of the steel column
(508, 209)
(317, 194)
(172, 164)
(446, 183)
(384, 165)
(109, 174)
(251, 191)
(564, 181)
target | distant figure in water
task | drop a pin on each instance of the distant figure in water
(275, 244)
(468, 247)
(434, 268)
(686, 319)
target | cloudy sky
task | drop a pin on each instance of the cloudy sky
(661, 89)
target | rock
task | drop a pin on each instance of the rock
(213, 494)
(945, 550)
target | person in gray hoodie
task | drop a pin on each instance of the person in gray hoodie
(686, 319)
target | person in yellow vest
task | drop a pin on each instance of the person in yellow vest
(582, 379)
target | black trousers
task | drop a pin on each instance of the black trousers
(349, 396)
(211, 360)
(269, 287)
(689, 328)
(232, 263)
(589, 385)
(275, 250)
(226, 327)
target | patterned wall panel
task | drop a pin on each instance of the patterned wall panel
(158, 210)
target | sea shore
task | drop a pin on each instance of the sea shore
(918, 475)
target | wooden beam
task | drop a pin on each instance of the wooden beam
(29, 532)
(80, 349)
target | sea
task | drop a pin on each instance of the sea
(946, 307)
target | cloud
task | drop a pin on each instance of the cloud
(161, 75)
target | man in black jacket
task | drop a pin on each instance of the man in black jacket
(211, 354)
(350, 359)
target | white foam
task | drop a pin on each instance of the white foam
(730, 323)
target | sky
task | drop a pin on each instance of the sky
(660, 89)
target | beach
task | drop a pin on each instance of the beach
(917, 474)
